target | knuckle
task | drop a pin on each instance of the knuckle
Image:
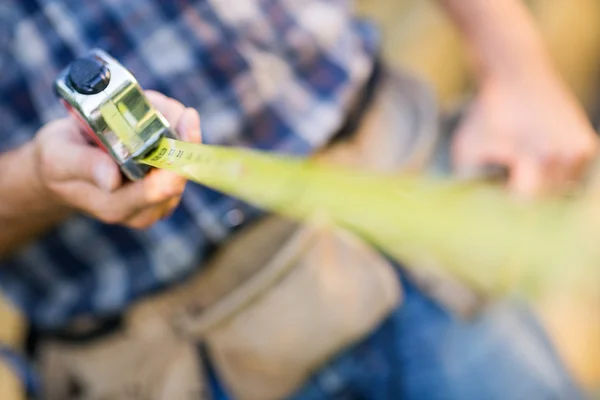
(165, 191)
(154, 196)
(578, 154)
(52, 187)
(193, 111)
(176, 104)
(177, 188)
(43, 149)
(573, 157)
(44, 161)
(112, 216)
(589, 150)
(548, 157)
(47, 166)
(140, 222)
(545, 154)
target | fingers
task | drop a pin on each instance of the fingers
(526, 178)
(476, 159)
(158, 186)
(189, 126)
(86, 178)
(170, 108)
(143, 197)
(534, 168)
(65, 155)
(147, 201)
(559, 169)
(147, 217)
(583, 159)
(186, 120)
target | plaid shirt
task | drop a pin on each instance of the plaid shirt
(268, 74)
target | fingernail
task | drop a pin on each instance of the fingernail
(188, 128)
(103, 176)
(175, 191)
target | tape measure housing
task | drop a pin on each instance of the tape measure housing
(111, 106)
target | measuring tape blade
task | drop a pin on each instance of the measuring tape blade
(475, 232)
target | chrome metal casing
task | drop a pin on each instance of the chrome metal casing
(119, 118)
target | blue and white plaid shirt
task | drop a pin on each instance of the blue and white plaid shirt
(268, 74)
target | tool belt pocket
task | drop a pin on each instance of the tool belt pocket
(311, 291)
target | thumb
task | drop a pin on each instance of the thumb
(482, 161)
(471, 147)
(527, 178)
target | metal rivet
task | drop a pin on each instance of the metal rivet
(234, 217)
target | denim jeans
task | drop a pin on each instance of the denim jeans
(422, 351)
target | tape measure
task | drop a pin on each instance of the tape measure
(476, 232)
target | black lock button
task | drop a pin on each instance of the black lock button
(88, 76)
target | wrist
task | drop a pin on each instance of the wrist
(37, 188)
(522, 73)
(501, 37)
(527, 64)
(27, 208)
(24, 196)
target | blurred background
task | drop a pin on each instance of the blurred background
(419, 37)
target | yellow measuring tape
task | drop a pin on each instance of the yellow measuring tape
(478, 233)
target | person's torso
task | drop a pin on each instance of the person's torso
(268, 74)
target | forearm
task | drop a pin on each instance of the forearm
(26, 212)
(501, 36)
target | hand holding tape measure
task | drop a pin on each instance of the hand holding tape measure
(76, 175)
(475, 231)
